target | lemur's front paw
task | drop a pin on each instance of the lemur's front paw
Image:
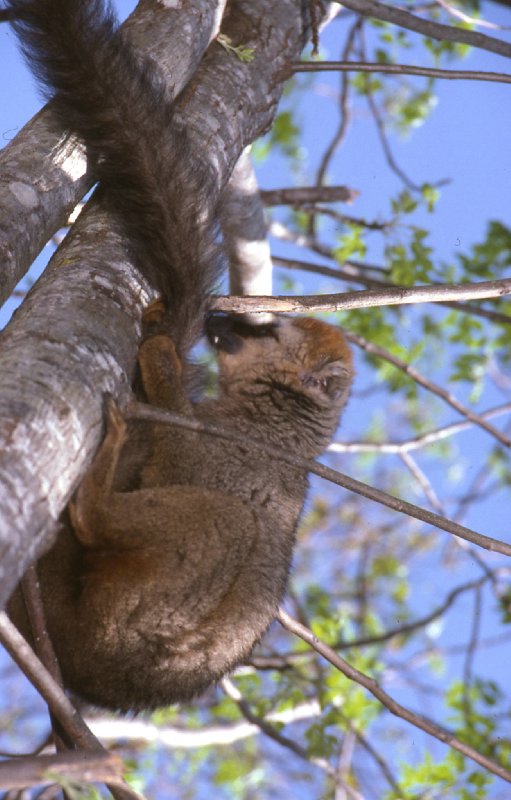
(154, 313)
(154, 320)
(157, 354)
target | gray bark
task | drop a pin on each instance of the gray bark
(75, 336)
(43, 171)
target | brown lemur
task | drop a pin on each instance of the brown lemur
(180, 544)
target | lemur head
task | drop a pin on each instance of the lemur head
(298, 362)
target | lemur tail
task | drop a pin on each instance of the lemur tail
(116, 102)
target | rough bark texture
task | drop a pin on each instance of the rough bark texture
(43, 171)
(76, 335)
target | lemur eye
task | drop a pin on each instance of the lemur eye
(227, 332)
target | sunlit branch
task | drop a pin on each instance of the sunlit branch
(113, 729)
(361, 272)
(481, 23)
(423, 481)
(420, 441)
(367, 298)
(77, 768)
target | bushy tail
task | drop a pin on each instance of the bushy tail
(115, 101)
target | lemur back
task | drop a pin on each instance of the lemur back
(179, 545)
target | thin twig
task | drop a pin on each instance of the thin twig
(382, 135)
(432, 437)
(423, 481)
(419, 721)
(401, 69)
(469, 658)
(137, 410)
(345, 118)
(482, 23)
(434, 388)
(409, 627)
(234, 694)
(384, 767)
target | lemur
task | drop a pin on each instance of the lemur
(179, 545)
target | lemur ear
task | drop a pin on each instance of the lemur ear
(332, 380)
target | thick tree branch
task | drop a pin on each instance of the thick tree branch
(244, 228)
(75, 336)
(44, 171)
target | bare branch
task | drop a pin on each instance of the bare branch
(76, 768)
(368, 298)
(366, 744)
(301, 195)
(348, 219)
(382, 134)
(401, 69)
(397, 16)
(415, 625)
(265, 727)
(419, 721)
(360, 272)
(344, 111)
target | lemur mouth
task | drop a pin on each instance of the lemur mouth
(227, 332)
